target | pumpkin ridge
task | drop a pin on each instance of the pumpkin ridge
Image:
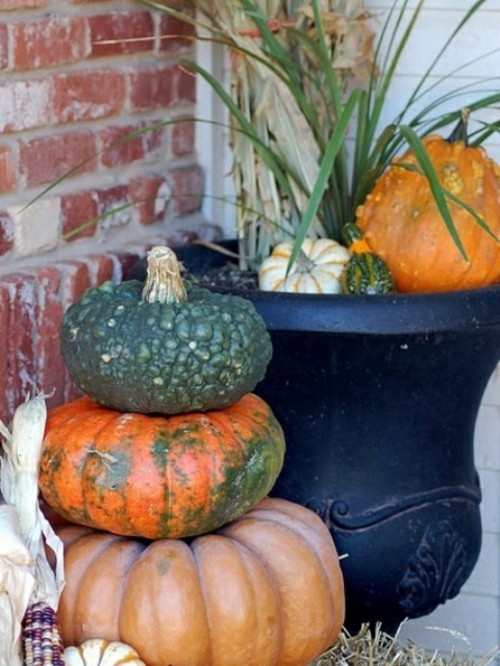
(252, 567)
(304, 526)
(162, 564)
(252, 533)
(105, 577)
(157, 477)
(203, 591)
(105, 477)
(61, 465)
(67, 619)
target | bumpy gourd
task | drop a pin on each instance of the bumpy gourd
(265, 590)
(365, 272)
(164, 346)
(316, 270)
(402, 224)
(159, 476)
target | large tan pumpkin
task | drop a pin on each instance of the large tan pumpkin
(265, 590)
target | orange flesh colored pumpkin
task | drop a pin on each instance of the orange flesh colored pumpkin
(265, 590)
(402, 224)
(159, 476)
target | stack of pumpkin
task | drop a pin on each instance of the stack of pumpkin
(163, 470)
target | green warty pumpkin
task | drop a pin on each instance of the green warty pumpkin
(164, 346)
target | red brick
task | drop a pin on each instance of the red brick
(114, 206)
(183, 137)
(125, 261)
(101, 268)
(121, 145)
(124, 32)
(175, 35)
(6, 233)
(5, 413)
(88, 95)
(144, 192)
(8, 176)
(21, 368)
(185, 86)
(75, 280)
(152, 88)
(21, 4)
(46, 42)
(4, 45)
(44, 159)
(51, 368)
(188, 188)
(24, 105)
(79, 215)
(155, 139)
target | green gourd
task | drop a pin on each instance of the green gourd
(165, 346)
(365, 272)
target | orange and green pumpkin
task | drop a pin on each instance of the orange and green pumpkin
(402, 224)
(159, 476)
(265, 590)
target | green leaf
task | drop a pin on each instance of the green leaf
(429, 172)
(334, 145)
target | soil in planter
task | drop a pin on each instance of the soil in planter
(210, 269)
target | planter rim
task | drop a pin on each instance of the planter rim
(394, 314)
(380, 314)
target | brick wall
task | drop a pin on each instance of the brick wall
(76, 78)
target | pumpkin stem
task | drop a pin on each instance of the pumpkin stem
(163, 282)
(460, 131)
(352, 237)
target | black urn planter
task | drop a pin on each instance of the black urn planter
(378, 397)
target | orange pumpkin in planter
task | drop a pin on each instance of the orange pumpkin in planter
(402, 223)
(265, 590)
(159, 476)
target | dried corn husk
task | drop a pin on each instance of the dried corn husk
(25, 573)
(266, 213)
(16, 585)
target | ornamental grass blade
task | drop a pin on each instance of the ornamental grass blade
(438, 193)
(334, 146)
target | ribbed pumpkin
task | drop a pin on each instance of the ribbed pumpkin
(316, 270)
(159, 476)
(265, 590)
(402, 223)
(97, 652)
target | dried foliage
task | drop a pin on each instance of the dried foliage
(308, 98)
(284, 100)
(377, 648)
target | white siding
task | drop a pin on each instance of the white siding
(473, 55)
(475, 614)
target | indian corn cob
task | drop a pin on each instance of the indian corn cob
(41, 638)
